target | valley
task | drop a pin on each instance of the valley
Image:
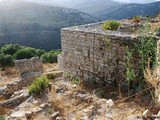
(39, 24)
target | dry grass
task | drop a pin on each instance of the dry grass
(67, 104)
(39, 117)
(10, 72)
(128, 109)
(3, 110)
(49, 67)
(151, 77)
(8, 75)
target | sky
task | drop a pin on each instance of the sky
(128, 1)
(139, 1)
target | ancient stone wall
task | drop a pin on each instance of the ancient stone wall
(29, 65)
(93, 54)
(60, 62)
(29, 69)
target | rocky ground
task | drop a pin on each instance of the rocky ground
(68, 101)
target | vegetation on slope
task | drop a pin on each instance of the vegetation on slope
(129, 10)
(37, 25)
(39, 85)
(111, 25)
(10, 53)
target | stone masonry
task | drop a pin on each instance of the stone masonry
(90, 53)
(29, 69)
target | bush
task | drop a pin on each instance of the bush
(50, 57)
(111, 25)
(2, 117)
(40, 52)
(39, 85)
(25, 53)
(6, 60)
(137, 19)
(157, 32)
(11, 49)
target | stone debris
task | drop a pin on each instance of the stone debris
(24, 111)
(146, 113)
(44, 105)
(2, 89)
(134, 117)
(110, 102)
(16, 100)
(157, 117)
(35, 102)
(55, 115)
(58, 118)
(154, 20)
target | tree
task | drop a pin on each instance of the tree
(6, 60)
(40, 52)
(11, 49)
(50, 57)
(25, 53)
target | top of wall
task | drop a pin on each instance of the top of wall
(96, 28)
(29, 65)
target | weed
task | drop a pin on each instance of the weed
(39, 85)
(49, 111)
(130, 74)
(137, 19)
(111, 25)
(2, 117)
(76, 81)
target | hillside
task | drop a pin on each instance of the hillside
(129, 10)
(37, 25)
(87, 6)
(92, 6)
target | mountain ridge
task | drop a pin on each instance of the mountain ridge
(37, 25)
(129, 10)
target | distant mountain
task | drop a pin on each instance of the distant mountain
(142, 1)
(92, 6)
(87, 6)
(129, 10)
(37, 25)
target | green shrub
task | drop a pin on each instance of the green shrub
(11, 49)
(157, 31)
(25, 53)
(2, 117)
(39, 85)
(50, 57)
(76, 81)
(111, 25)
(6, 60)
(40, 52)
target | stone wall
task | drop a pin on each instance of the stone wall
(90, 53)
(29, 69)
(60, 62)
(29, 65)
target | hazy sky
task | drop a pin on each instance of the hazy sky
(130, 1)
(139, 1)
